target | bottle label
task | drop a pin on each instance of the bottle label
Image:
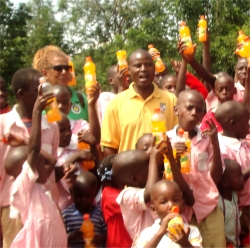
(187, 40)
(90, 79)
(202, 31)
(159, 136)
(88, 241)
(49, 108)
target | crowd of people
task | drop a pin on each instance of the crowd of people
(45, 189)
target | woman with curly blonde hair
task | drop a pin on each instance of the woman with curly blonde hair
(52, 62)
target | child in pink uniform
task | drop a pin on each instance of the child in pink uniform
(234, 118)
(42, 223)
(206, 167)
(68, 154)
(136, 173)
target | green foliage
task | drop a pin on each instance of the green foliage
(100, 28)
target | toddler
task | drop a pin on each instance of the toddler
(164, 195)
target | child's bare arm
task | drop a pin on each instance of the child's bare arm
(50, 161)
(203, 72)
(178, 178)
(216, 167)
(181, 78)
(34, 144)
(153, 168)
(246, 98)
(94, 125)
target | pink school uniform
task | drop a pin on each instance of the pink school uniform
(42, 222)
(199, 179)
(78, 125)
(136, 214)
(102, 103)
(12, 123)
(238, 150)
(62, 154)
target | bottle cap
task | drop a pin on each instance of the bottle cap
(42, 80)
(241, 32)
(86, 216)
(181, 131)
(158, 110)
(183, 23)
(88, 59)
(175, 209)
(150, 46)
(203, 17)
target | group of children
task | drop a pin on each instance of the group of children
(45, 190)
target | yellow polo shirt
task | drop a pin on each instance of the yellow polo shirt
(128, 117)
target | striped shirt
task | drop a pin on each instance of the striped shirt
(73, 220)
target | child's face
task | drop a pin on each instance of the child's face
(224, 88)
(235, 179)
(65, 132)
(165, 198)
(169, 84)
(145, 143)
(56, 76)
(190, 111)
(63, 101)
(83, 197)
(241, 70)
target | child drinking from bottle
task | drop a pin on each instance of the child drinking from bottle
(164, 195)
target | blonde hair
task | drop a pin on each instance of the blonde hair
(43, 56)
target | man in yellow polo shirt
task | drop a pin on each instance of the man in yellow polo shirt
(128, 114)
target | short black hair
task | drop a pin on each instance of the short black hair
(23, 77)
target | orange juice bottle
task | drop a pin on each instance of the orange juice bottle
(240, 41)
(158, 126)
(185, 36)
(175, 220)
(185, 158)
(202, 29)
(89, 74)
(159, 66)
(73, 76)
(247, 49)
(87, 229)
(52, 111)
(168, 171)
(122, 59)
(86, 165)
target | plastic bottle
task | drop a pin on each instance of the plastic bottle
(202, 29)
(158, 126)
(175, 220)
(72, 82)
(122, 59)
(52, 111)
(159, 66)
(246, 50)
(168, 171)
(88, 164)
(89, 74)
(185, 36)
(240, 41)
(185, 158)
(87, 229)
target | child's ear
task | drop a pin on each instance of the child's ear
(110, 80)
(20, 93)
(176, 110)
(232, 122)
(133, 179)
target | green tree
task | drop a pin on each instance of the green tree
(13, 37)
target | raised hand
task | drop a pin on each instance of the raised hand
(93, 95)
(181, 48)
(211, 131)
(181, 236)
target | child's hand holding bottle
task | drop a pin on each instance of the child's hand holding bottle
(93, 94)
(181, 47)
(86, 137)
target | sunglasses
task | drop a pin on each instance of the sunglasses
(60, 68)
